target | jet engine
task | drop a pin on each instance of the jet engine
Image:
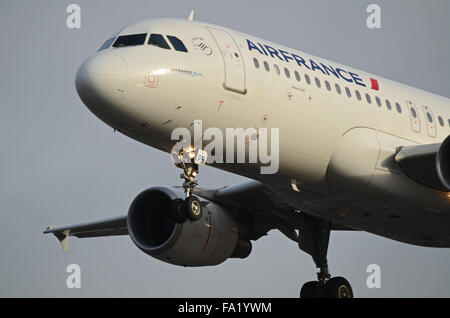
(427, 164)
(209, 241)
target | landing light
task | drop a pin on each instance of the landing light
(295, 186)
(161, 71)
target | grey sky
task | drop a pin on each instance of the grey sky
(60, 164)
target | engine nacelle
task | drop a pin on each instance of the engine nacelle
(209, 241)
(427, 164)
(443, 163)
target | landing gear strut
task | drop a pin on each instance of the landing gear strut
(314, 240)
(190, 208)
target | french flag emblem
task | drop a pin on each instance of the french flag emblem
(375, 85)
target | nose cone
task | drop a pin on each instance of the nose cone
(101, 83)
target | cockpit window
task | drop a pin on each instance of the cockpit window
(130, 40)
(159, 41)
(177, 43)
(107, 44)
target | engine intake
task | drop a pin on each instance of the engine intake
(209, 241)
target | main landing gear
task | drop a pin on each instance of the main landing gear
(314, 240)
(190, 208)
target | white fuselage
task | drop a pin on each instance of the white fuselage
(335, 149)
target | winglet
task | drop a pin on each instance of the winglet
(64, 240)
(63, 237)
(192, 15)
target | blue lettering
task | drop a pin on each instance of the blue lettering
(300, 61)
(329, 69)
(262, 48)
(251, 46)
(286, 55)
(340, 71)
(314, 66)
(357, 79)
(273, 52)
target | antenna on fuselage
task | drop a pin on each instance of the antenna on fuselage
(192, 15)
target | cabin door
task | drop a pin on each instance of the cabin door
(414, 116)
(234, 78)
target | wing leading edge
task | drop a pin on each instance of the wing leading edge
(105, 227)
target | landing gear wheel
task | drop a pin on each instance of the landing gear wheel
(314, 240)
(192, 208)
(177, 211)
(338, 287)
(310, 290)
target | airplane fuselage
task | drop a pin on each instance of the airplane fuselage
(338, 131)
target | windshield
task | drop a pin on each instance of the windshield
(130, 40)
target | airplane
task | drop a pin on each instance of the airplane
(357, 152)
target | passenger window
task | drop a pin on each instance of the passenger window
(159, 41)
(107, 44)
(378, 100)
(369, 99)
(413, 112)
(327, 84)
(177, 43)
(288, 74)
(277, 69)
(318, 84)
(399, 108)
(441, 121)
(308, 80)
(388, 104)
(449, 122)
(358, 95)
(130, 40)
(338, 89)
(297, 76)
(256, 62)
(349, 93)
(430, 118)
(266, 66)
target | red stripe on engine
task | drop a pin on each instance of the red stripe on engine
(209, 232)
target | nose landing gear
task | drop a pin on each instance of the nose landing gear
(190, 208)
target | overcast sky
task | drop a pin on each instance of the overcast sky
(60, 164)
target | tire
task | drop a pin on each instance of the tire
(192, 209)
(310, 290)
(177, 211)
(338, 287)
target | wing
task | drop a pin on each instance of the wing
(268, 211)
(105, 227)
(256, 207)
